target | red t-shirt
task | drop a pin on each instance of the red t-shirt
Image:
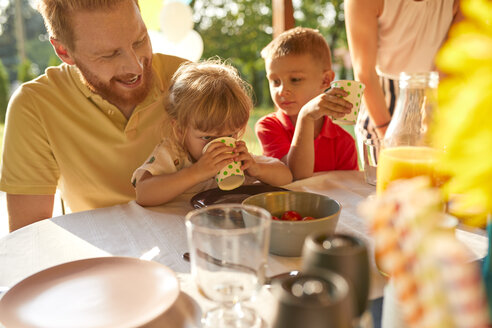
(334, 148)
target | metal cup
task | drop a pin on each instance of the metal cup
(317, 300)
(343, 254)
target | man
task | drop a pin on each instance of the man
(83, 127)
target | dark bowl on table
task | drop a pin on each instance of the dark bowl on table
(287, 237)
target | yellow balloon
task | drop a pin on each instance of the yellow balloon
(150, 10)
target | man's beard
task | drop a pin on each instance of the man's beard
(113, 94)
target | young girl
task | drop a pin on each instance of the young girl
(206, 100)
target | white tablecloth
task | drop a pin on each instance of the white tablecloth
(131, 230)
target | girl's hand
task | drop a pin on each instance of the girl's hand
(213, 160)
(329, 103)
(249, 164)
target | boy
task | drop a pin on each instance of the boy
(300, 132)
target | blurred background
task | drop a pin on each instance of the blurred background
(233, 30)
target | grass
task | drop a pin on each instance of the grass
(249, 137)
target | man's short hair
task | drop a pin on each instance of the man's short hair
(57, 15)
(299, 41)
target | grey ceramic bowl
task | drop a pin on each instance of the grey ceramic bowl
(287, 237)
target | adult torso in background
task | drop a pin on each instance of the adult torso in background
(410, 34)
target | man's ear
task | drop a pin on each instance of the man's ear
(328, 77)
(62, 51)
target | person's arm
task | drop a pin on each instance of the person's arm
(309, 123)
(153, 190)
(27, 209)
(361, 20)
(266, 169)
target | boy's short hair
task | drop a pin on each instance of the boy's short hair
(57, 15)
(299, 41)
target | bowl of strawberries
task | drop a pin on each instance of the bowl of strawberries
(295, 215)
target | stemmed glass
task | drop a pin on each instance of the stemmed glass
(228, 255)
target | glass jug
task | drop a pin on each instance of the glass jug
(406, 151)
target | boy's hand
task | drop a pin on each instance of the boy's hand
(249, 164)
(329, 103)
(213, 160)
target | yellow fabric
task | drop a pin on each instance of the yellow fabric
(61, 135)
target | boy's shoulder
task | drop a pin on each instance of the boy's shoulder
(276, 120)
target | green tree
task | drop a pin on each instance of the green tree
(4, 91)
(38, 48)
(239, 30)
(25, 72)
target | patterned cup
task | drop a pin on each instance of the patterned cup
(355, 91)
(230, 176)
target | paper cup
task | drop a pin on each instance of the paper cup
(355, 90)
(230, 176)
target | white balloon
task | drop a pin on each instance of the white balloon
(176, 20)
(159, 42)
(191, 47)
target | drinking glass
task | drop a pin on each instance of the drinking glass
(406, 151)
(228, 255)
(405, 162)
(371, 154)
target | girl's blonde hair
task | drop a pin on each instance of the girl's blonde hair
(57, 15)
(209, 96)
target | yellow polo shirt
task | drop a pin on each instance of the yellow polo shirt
(59, 134)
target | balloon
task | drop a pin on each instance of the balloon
(176, 20)
(191, 47)
(150, 9)
(159, 42)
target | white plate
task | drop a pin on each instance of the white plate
(96, 292)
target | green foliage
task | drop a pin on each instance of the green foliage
(239, 30)
(4, 91)
(54, 60)
(25, 72)
(37, 47)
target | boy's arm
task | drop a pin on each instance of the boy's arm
(300, 158)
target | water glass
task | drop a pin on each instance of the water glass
(228, 255)
(371, 154)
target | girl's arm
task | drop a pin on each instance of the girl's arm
(361, 20)
(154, 190)
(266, 169)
